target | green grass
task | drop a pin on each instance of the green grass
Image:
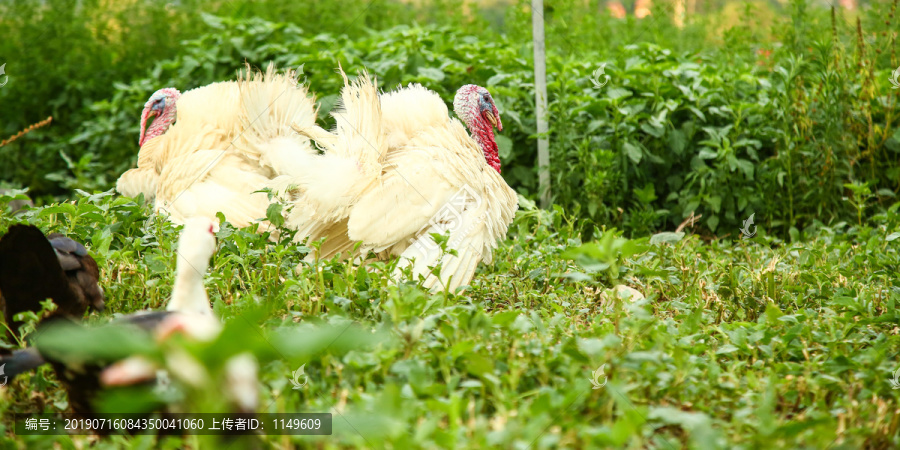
(785, 340)
(753, 343)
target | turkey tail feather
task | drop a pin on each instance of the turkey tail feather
(31, 273)
(272, 104)
(358, 121)
(353, 152)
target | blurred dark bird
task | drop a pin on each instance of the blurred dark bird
(86, 363)
(34, 267)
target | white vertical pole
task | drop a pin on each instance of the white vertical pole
(540, 85)
(679, 13)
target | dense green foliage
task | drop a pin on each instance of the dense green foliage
(740, 344)
(772, 127)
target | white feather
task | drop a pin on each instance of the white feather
(412, 161)
(230, 140)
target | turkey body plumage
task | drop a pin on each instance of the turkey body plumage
(202, 123)
(216, 156)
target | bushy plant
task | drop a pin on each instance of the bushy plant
(739, 343)
(726, 130)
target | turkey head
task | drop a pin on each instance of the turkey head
(161, 106)
(475, 107)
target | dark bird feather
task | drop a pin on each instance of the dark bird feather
(34, 267)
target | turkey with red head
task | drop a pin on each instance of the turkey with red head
(207, 150)
(397, 169)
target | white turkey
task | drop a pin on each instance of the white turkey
(200, 154)
(396, 170)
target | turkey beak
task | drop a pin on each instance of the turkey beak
(491, 118)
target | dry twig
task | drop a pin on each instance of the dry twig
(27, 130)
(692, 219)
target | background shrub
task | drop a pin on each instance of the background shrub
(786, 114)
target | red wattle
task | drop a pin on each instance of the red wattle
(484, 135)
